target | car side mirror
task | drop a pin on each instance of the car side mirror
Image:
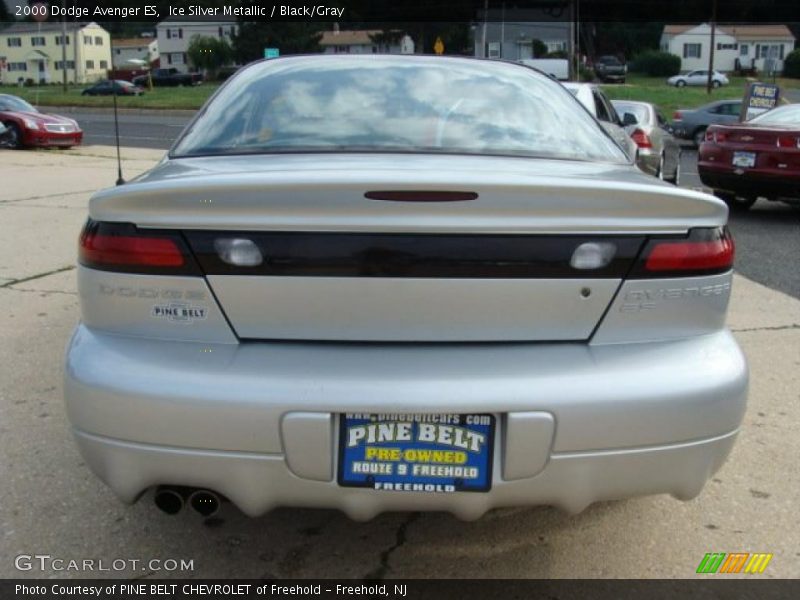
(629, 119)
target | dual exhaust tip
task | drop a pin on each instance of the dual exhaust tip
(172, 499)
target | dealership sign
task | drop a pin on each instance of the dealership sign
(759, 98)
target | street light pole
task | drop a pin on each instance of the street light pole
(709, 81)
(64, 51)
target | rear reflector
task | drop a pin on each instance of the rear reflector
(125, 248)
(702, 252)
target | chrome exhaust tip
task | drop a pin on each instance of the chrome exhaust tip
(169, 500)
(205, 503)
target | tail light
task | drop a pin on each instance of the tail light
(702, 252)
(788, 141)
(677, 115)
(125, 248)
(716, 136)
(641, 138)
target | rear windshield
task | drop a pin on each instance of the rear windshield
(609, 60)
(637, 110)
(394, 104)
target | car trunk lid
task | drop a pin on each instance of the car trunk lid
(299, 248)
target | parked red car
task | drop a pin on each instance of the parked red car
(28, 127)
(758, 158)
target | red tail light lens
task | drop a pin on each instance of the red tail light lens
(716, 136)
(641, 138)
(125, 248)
(788, 141)
(677, 116)
(702, 252)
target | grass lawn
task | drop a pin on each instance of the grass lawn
(165, 97)
(669, 98)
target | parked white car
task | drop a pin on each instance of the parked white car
(699, 77)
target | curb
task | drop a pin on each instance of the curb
(174, 112)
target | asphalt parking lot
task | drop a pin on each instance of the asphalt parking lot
(51, 504)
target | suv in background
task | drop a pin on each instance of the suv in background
(610, 68)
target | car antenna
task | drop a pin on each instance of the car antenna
(120, 180)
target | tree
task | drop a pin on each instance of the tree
(209, 53)
(539, 48)
(289, 38)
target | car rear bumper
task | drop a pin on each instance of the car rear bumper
(256, 422)
(750, 182)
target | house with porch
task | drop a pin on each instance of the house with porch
(762, 47)
(36, 51)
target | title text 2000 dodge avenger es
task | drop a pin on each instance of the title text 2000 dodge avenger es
(402, 283)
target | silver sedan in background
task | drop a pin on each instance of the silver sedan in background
(381, 283)
(659, 153)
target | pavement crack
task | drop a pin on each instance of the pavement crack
(379, 573)
(772, 328)
(48, 196)
(38, 276)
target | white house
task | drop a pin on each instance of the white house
(140, 48)
(360, 41)
(174, 36)
(36, 51)
(513, 40)
(761, 46)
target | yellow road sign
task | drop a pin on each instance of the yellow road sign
(438, 47)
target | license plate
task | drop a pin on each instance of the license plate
(416, 453)
(744, 159)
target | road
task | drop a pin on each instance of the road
(768, 237)
(51, 504)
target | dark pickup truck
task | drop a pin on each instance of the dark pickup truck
(609, 68)
(169, 77)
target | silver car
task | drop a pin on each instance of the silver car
(380, 283)
(691, 124)
(594, 99)
(699, 77)
(659, 154)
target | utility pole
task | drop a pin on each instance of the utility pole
(709, 82)
(64, 51)
(571, 46)
(485, 17)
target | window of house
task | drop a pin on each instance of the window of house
(692, 50)
(61, 40)
(17, 66)
(14, 42)
(342, 49)
(175, 32)
(87, 40)
(744, 49)
(727, 46)
(98, 41)
(90, 64)
(176, 58)
(494, 50)
(37, 41)
(103, 64)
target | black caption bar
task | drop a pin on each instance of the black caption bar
(617, 589)
(350, 13)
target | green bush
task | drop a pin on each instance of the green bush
(791, 65)
(656, 64)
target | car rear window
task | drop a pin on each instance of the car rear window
(637, 110)
(395, 104)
